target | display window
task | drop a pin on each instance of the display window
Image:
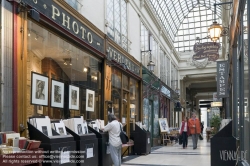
(63, 80)
(125, 97)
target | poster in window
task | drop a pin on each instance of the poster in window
(57, 94)
(90, 100)
(73, 97)
(39, 89)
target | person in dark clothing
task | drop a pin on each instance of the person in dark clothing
(202, 127)
(184, 132)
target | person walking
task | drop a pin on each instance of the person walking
(195, 129)
(184, 132)
(115, 144)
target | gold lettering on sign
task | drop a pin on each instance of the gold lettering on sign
(55, 12)
(75, 27)
(64, 20)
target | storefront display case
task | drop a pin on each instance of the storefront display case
(61, 149)
(141, 139)
(89, 144)
(103, 140)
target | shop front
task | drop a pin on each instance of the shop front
(122, 85)
(59, 62)
(151, 105)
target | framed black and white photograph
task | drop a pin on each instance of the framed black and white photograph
(163, 124)
(90, 100)
(57, 94)
(73, 97)
(39, 89)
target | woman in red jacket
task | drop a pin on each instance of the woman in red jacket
(185, 132)
(195, 129)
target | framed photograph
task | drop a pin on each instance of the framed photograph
(57, 94)
(73, 97)
(39, 89)
(163, 124)
(90, 100)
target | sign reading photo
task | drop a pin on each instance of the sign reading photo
(57, 94)
(90, 100)
(73, 97)
(39, 89)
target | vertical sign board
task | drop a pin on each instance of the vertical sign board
(222, 79)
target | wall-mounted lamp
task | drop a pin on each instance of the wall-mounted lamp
(28, 32)
(36, 37)
(216, 30)
(150, 64)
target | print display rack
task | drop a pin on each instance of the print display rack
(89, 144)
(223, 147)
(60, 148)
(103, 139)
(141, 138)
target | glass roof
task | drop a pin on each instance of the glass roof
(174, 13)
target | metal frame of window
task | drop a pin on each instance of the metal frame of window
(176, 16)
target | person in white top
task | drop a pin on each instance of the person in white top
(115, 143)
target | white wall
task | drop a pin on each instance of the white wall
(134, 32)
(204, 118)
(94, 11)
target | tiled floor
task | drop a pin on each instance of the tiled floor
(173, 155)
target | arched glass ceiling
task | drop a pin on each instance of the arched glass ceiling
(195, 25)
(173, 12)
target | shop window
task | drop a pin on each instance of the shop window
(59, 60)
(116, 91)
(125, 82)
(134, 100)
(117, 22)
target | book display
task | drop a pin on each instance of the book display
(61, 148)
(141, 138)
(103, 139)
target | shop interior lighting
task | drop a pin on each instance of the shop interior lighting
(85, 69)
(67, 61)
(29, 33)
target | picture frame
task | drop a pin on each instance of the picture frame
(39, 89)
(73, 97)
(57, 94)
(90, 100)
(163, 123)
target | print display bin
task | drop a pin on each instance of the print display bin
(223, 144)
(103, 139)
(86, 142)
(54, 146)
(141, 138)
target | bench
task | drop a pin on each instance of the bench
(129, 144)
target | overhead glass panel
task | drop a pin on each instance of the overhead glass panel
(172, 13)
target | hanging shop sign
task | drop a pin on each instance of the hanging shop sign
(115, 55)
(222, 79)
(166, 91)
(216, 104)
(209, 50)
(67, 21)
(205, 53)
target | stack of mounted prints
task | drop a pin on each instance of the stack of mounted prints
(78, 125)
(43, 124)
